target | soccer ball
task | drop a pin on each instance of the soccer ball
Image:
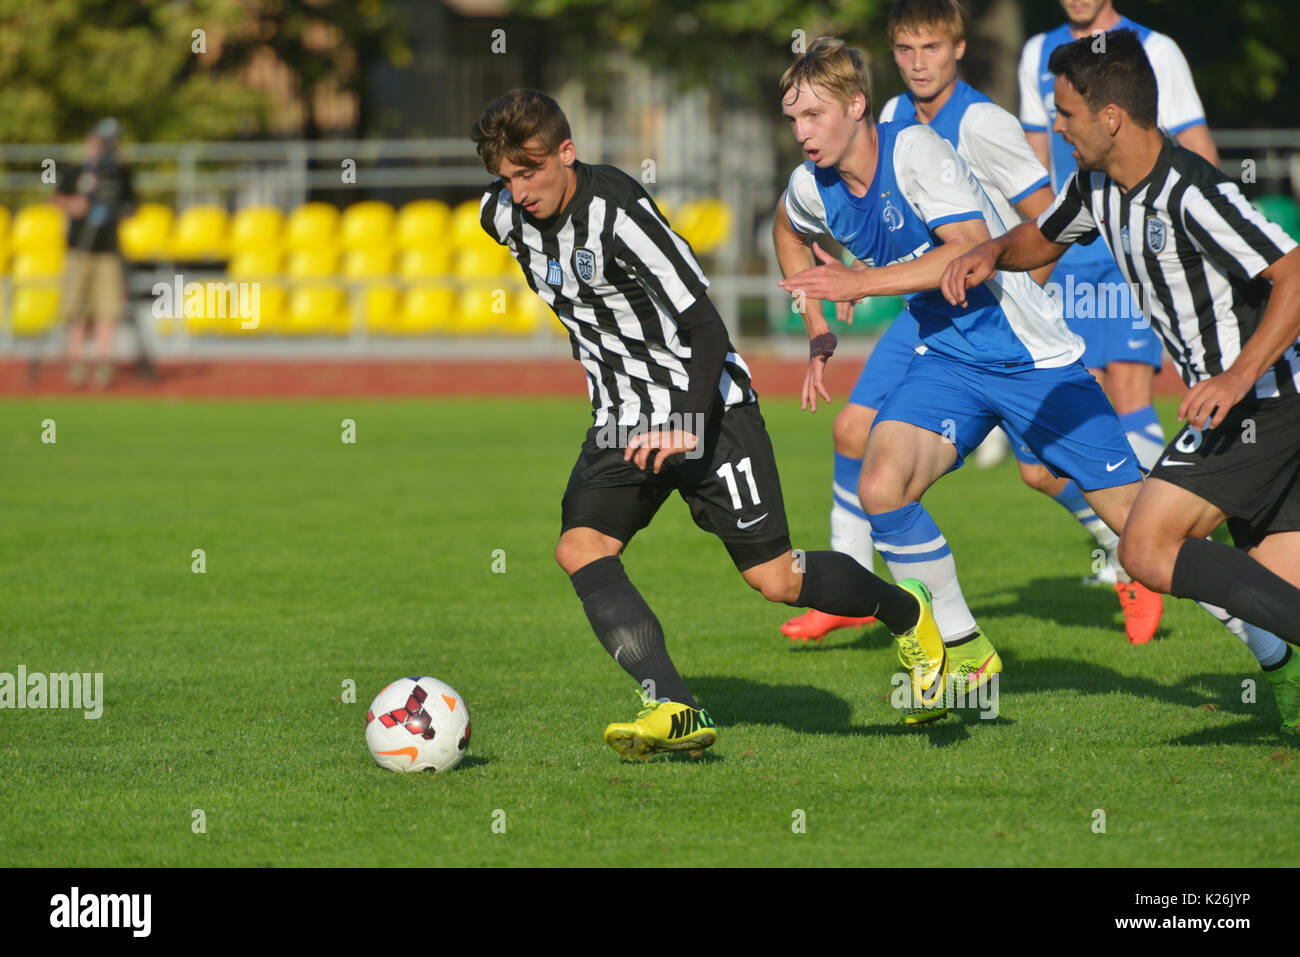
(418, 724)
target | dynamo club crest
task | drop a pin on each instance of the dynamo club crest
(1155, 234)
(584, 264)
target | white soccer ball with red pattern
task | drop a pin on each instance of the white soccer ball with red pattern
(418, 724)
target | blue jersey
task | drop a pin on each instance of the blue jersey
(921, 183)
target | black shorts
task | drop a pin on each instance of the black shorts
(1247, 466)
(732, 488)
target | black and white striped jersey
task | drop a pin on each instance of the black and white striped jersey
(1191, 248)
(617, 277)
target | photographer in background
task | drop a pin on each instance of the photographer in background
(96, 197)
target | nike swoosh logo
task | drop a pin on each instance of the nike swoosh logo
(740, 524)
(1168, 461)
(451, 702)
(1135, 343)
(409, 752)
(974, 676)
(1111, 468)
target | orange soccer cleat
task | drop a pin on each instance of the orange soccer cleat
(816, 624)
(1142, 610)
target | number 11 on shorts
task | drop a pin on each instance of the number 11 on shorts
(729, 477)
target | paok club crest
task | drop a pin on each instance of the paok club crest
(584, 264)
(1155, 234)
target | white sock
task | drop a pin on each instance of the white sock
(1267, 647)
(851, 534)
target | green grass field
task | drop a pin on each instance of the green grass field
(329, 562)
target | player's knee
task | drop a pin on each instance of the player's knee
(851, 428)
(881, 489)
(774, 585)
(1037, 477)
(1147, 558)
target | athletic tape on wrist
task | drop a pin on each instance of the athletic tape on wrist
(823, 345)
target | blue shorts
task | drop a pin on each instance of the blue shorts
(1061, 415)
(887, 363)
(1099, 308)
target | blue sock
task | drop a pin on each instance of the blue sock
(913, 547)
(1145, 435)
(1071, 497)
(847, 471)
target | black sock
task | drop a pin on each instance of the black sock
(836, 584)
(628, 628)
(1222, 575)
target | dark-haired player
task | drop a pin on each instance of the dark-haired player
(1122, 349)
(673, 410)
(1222, 285)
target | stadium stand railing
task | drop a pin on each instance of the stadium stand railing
(246, 255)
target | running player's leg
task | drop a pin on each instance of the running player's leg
(936, 422)
(607, 501)
(1132, 358)
(929, 424)
(734, 491)
(1066, 493)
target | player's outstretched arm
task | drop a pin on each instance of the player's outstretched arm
(1019, 250)
(794, 256)
(1207, 403)
(832, 280)
(1031, 207)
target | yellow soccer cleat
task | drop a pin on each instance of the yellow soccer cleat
(921, 651)
(662, 726)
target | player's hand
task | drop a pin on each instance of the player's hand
(1206, 404)
(668, 444)
(844, 311)
(813, 384)
(832, 280)
(967, 270)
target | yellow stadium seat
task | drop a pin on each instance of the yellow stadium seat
(145, 233)
(40, 225)
(380, 307)
(202, 234)
(6, 221)
(525, 312)
(704, 223)
(312, 225)
(272, 305)
(317, 262)
(256, 263)
(256, 227)
(481, 309)
(429, 262)
(375, 262)
(5, 253)
(39, 263)
(35, 309)
(317, 310)
(423, 223)
(465, 227)
(427, 309)
(483, 262)
(368, 223)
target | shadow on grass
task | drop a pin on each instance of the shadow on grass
(809, 710)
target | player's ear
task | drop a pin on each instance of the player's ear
(568, 152)
(959, 49)
(857, 106)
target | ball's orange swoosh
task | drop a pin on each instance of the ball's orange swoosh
(409, 752)
(451, 702)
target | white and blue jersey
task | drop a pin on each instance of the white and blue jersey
(988, 138)
(1087, 276)
(921, 183)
